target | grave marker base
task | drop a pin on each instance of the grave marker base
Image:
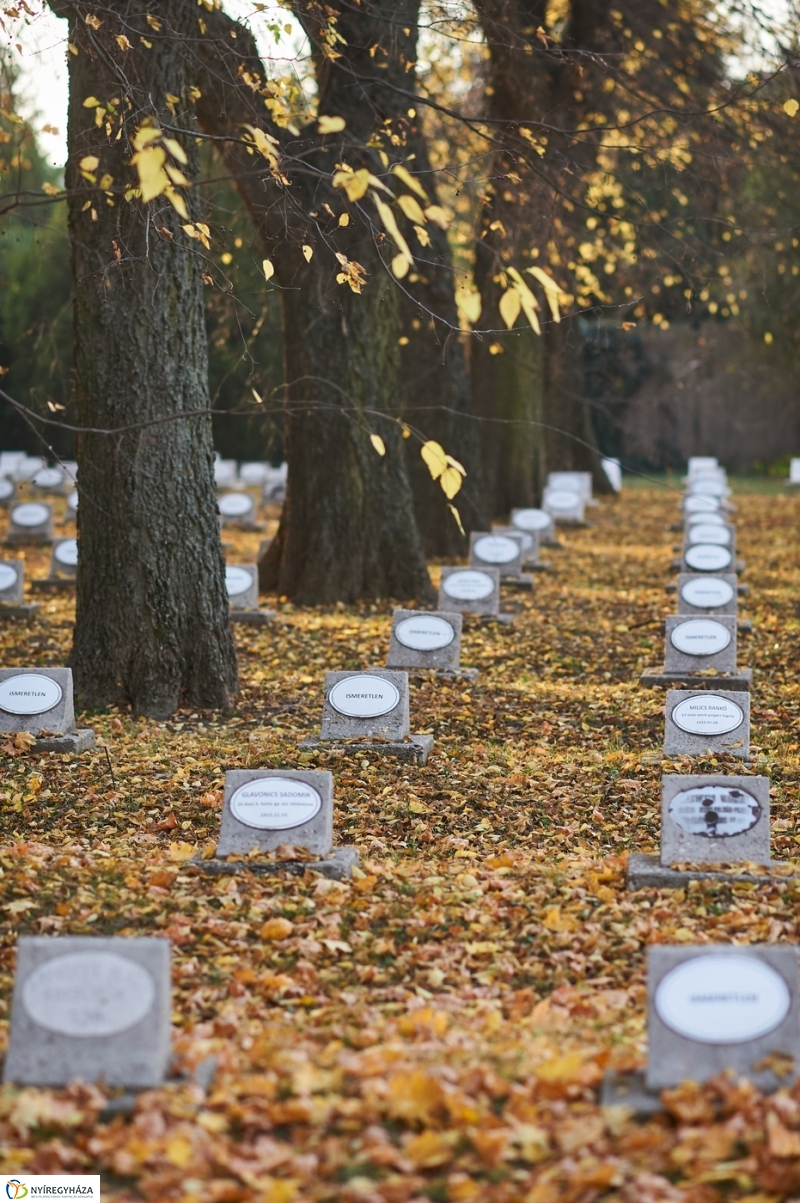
(630, 1091)
(18, 613)
(81, 740)
(54, 584)
(415, 750)
(505, 619)
(738, 566)
(645, 871)
(15, 539)
(252, 618)
(673, 588)
(659, 678)
(458, 674)
(523, 580)
(125, 1102)
(337, 864)
(744, 626)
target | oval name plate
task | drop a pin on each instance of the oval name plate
(707, 714)
(237, 580)
(709, 488)
(8, 577)
(6, 488)
(364, 696)
(561, 499)
(696, 503)
(722, 999)
(468, 585)
(29, 693)
(714, 810)
(30, 513)
(72, 500)
(700, 637)
(48, 478)
(708, 593)
(708, 532)
(66, 553)
(712, 517)
(88, 994)
(235, 505)
(532, 519)
(496, 549)
(424, 634)
(707, 557)
(275, 803)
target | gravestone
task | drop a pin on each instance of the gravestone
(64, 560)
(39, 701)
(711, 534)
(794, 474)
(565, 505)
(8, 492)
(572, 482)
(428, 639)
(224, 473)
(490, 549)
(10, 461)
(705, 720)
(237, 509)
(27, 468)
(701, 463)
(367, 713)
(707, 594)
(536, 522)
(94, 1008)
(254, 473)
(48, 480)
(241, 583)
(613, 471)
(472, 591)
(30, 522)
(694, 504)
(12, 581)
(529, 544)
(72, 503)
(705, 518)
(709, 487)
(698, 643)
(707, 557)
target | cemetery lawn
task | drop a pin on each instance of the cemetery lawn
(437, 1028)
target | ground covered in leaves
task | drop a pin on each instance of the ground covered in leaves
(437, 1028)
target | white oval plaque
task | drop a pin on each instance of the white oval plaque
(275, 803)
(29, 693)
(48, 478)
(8, 577)
(30, 513)
(496, 549)
(532, 519)
(88, 994)
(468, 585)
(364, 696)
(6, 489)
(235, 505)
(72, 500)
(714, 811)
(424, 634)
(707, 714)
(707, 532)
(561, 499)
(707, 557)
(700, 637)
(707, 592)
(696, 503)
(726, 998)
(66, 553)
(712, 517)
(709, 488)
(237, 580)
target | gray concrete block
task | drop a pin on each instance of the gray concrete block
(338, 864)
(716, 1007)
(695, 643)
(263, 808)
(38, 700)
(529, 541)
(252, 618)
(536, 522)
(90, 1007)
(629, 1090)
(488, 549)
(73, 744)
(12, 581)
(237, 509)
(241, 582)
(370, 703)
(740, 680)
(714, 819)
(64, 559)
(30, 522)
(470, 591)
(707, 557)
(710, 534)
(414, 750)
(645, 871)
(703, 720)
(425, 639)
(21, 613)
(707, 593)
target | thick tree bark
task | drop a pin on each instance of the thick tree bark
(152, 627)
(348, 528)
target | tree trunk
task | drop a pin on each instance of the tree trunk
(348, 528)
(152, 627)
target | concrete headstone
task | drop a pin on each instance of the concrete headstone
(31, 522)
(564, 505)
(8, 492)
(241, 582)
(535, 521)
(703, 720)
(707, 557)
(371, 703)
(707, 594)
(235, 508)
(38, 700)
(425, 639)
(12, 580)
(714, 819)
(64, 561)
(697, 643)
(489, 550)
(470, 590)
(263, 808)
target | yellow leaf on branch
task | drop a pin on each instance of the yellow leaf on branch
(91, 102)
(551, 290)
(268, 268)
(457, 517)
(451, 481)
(149, 163)
(393, 230)
(308, 252)
(411, 208)
(399, 267)
(438, 216)
(510, 305)
(330, 125)
(435, 457)
(354, 183)
(791, 107)
(378, 443)
(409, 181)
(468, 301)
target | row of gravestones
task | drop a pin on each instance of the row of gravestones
(711, 1008)
(99, 1008)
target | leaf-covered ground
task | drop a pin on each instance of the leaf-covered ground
(437, 1028)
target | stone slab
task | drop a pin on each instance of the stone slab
(365, 691)
(535, 521)
(750, 995)
(338, 864)
(711, 709)
(244, 518)
(555, 501)
(505, 619)
(252, 618)
(235, 576)
(420, 627)
(90, 1007)
(57, 719)
(14, 591)
(658, 677)
(685, 625)
(58, 568)
(528, 539)
(645, 871)
(49, 584)
(572, 482)
(74, 743)
(414, 750)
(700, 585)
(523, 580)
(23, 532)
(489, 549)
(22, 613)
(294, 815)
(630, 1091)
(714, 819)
(475, 595)
(458, 674)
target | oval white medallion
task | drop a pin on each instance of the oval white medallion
(424, 634)
(712, 518)
(88, 994)
(707, 557)
(364, 696)
(714, 811)
(30, 513)
(700, 637)
(696, 503)
(707, 714)
(237, 580)
(8, 577)
(707, 532)
(6, 489)
(532, 519)
(468, 585)
(709, 488)
(67, 553)
(707, 592)
(48, 478)
(275, 803)
(29, 693)
(72, 500)
(560, 499)
(235, 505)
(725, 998)
(496, 549)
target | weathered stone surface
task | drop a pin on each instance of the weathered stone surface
(714, 819)
(288, 819)
(366, 695)
(488, 549)
(22, 527)
(658, 677)
(470, 591)
(704, 587)
(707, 710)
(12, 581)
(689, 629)
(645, 871)
(414, 750)
(242, 593)
(31, 690)
(417, 639)
(338, 865)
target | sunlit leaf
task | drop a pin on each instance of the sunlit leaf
(330, 125)
(354, 183)
(510, 305)
(308, 253)
(451, 481)
(457, 517)
(791, 107)
(468, 301)
(551, 290)
(438, 216)
(268, 268)
(399, 266)
(393, 230)
(410, 182)
(435, 457)
(378, 443)
(411, 208)
(91, 102)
